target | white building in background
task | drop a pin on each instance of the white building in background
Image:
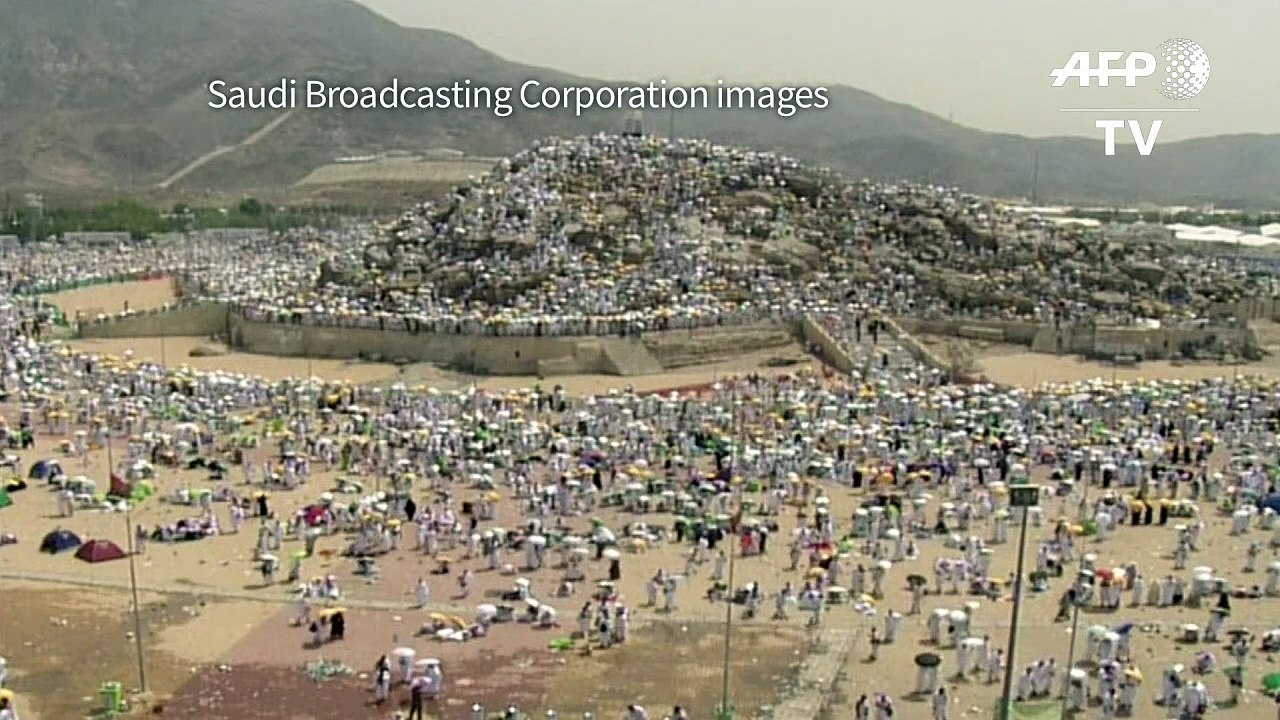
(1076, 221)
(96, 238)
(1222, 235)
(443, 154)
(231, 234)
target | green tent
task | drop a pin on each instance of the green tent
(5, 500)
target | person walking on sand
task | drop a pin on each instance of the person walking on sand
(940, 704)
(417, 689)
(382, 684)
(862, 710)
(424, 593)
(303, 618)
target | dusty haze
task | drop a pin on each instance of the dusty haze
(984, 64)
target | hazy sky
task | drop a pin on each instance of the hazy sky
(984, 63)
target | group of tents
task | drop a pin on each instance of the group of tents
(59, 540)
(94, 551)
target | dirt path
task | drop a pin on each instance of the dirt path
(220, 151)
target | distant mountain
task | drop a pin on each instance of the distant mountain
(101, 94)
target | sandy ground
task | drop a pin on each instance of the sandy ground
(95, 299)
(219, 611)
(1016, 365)
(1028, 369)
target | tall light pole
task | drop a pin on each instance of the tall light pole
(133, 573)
(1024, 497)
(137, 607)
(725, 711)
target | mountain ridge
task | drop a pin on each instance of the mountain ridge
(113, 94)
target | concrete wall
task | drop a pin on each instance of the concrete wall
(920, 351)
(183, 319)
(1102, 341)
(710, 345)
(1017, 332)
(1247, 309)
(484, 355)
(830, 350)
(1143, 343)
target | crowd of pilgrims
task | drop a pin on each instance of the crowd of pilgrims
(615, 235)
(890, 425)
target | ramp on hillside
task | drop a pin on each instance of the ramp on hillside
(629, 357)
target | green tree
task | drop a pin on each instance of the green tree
(250, 206)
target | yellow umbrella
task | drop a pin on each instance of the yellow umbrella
(327, 613)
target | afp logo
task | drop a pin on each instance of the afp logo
(1184, 62)
(1184, 68)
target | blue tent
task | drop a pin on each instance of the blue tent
(44, 469)
(59, 541)
(1270, 501)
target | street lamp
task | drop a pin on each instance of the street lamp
(133, 572)
(1025, 497)
(725, 711)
